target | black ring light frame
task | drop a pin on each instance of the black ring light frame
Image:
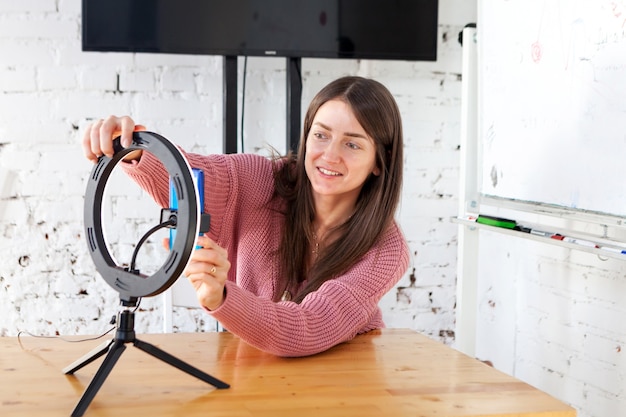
(130, 284)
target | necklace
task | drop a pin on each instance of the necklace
(316, 246)
(316, 240)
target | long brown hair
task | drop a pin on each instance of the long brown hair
(376, 110)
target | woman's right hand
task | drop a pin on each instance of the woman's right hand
(98, 138)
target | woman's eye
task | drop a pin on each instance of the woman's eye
(353, 145)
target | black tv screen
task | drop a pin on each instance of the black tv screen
(364, 29)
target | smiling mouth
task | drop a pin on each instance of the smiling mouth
(328, 172)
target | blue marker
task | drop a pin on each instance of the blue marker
(614, 250)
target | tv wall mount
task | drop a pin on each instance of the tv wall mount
(129, 282)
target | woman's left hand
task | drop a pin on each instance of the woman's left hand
(207, 271)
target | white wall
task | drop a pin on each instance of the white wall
(550, 316)
(555, 317)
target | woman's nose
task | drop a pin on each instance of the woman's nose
(332, 151)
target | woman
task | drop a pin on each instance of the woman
(301, 248)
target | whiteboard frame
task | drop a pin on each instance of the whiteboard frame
(585, 224)
(605, 220)
(579, 222)
(468, 243)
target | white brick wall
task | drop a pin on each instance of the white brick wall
(554, 317)
(50, 90)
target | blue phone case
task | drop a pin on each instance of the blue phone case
(198, 181)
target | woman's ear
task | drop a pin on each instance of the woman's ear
(376, 171)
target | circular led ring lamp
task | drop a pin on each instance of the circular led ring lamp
(132, 285)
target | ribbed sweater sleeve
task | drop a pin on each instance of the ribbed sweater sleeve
(238, 195)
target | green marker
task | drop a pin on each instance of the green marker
(496, 221)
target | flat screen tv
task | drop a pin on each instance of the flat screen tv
(358, 29)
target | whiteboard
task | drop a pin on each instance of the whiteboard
(552, 102)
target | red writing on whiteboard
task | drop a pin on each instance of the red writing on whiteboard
(618, 12)
(535, 51)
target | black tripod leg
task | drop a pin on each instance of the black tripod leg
(88, 358)
(185, 367)
(107, 365)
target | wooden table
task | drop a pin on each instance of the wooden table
(392, 372)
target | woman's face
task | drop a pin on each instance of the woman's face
(340, 155)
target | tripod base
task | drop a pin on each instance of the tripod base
(114, 349)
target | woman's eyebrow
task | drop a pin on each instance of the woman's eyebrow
(350, 134)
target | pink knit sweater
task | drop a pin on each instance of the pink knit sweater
(237, 190)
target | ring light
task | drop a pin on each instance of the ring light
(130, 284)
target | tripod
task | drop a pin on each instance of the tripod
(114, 348)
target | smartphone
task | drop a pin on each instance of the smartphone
(198, 182)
